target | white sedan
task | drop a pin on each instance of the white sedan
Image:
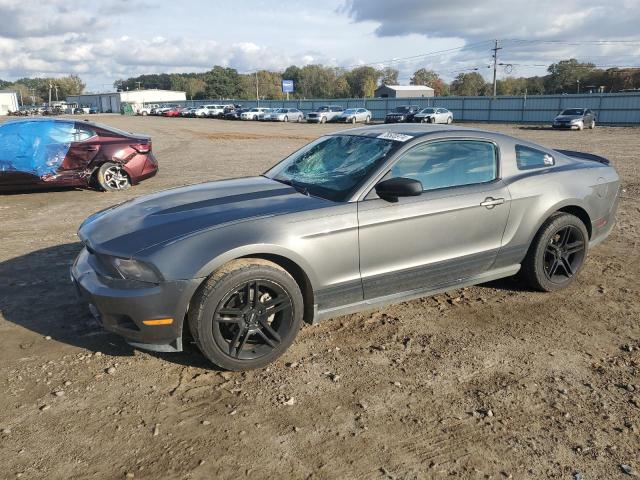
(254, 113)
(433, 115)
(355, 115)
(285, 115)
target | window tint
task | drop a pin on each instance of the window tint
(528, 158)
(449, 163)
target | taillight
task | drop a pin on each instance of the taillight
(142, 147)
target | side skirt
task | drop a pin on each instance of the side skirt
(374, 303)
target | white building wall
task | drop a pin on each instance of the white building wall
(8, 102)
(140, 98)
(105, 102)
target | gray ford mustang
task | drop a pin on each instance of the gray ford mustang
(354, 220)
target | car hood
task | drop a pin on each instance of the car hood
(151, 220)
(568, 117)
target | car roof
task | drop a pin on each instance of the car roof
(415, 130)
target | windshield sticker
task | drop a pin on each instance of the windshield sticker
(400, 137)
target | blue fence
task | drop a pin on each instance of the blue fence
(611, 108)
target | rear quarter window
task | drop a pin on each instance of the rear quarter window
(529, 158)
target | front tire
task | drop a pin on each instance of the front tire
(592, 125)
(353, 120)
(246, 314)
(367, 120)
(286, 119)
(556, 254)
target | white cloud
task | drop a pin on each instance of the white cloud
(113, 39)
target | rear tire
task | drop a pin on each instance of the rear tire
(367, 120)
(111, 177)
(353, 120)
(449, 120)
(246, 314)
(556, 254)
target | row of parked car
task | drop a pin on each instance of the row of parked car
(322, 114)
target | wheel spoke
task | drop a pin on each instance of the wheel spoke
(567, 266)
(553, 267)
(270, 342)
(574, 247)
(246, 335)
(256, 293)
(277, 304)
(269, 329)
(564, 236)
(234, 341)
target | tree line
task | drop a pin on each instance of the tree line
(36, 90)
(320, 81)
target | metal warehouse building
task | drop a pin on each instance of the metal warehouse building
(404, 91)
(8, 101)
(112, 101)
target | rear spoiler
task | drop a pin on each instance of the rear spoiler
(583, 156)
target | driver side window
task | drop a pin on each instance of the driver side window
(449, 163)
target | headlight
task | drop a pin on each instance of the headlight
(135, 270)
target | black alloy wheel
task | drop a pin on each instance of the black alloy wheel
(564, 254)
(252, 319)
(246, 314)
(556, 254)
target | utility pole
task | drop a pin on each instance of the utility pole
(138, 83)
(56, 87)
(257, 92)
(495, 64)
(50, 87)
(33, 96)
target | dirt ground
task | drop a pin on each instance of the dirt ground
(487, 382)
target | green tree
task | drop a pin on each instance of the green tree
(431, 79)
(565, 75)
(469, 84)
(511, 86)
(363, 81)
(389, 76)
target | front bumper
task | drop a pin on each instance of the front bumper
(568, 126)
(394, 119)
(123, 305)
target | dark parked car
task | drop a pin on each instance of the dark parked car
(235, 114)
(353, 220)
(48, 152)
(578, 118)
(401, 114)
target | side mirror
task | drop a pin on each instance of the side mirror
(393, 188)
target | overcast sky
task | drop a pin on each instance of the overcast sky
(109, 39)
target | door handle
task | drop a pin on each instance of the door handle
(491, 202)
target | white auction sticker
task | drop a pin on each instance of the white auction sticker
(400, 137)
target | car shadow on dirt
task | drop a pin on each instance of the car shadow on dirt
(36, 293)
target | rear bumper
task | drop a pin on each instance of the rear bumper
(122, 306)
